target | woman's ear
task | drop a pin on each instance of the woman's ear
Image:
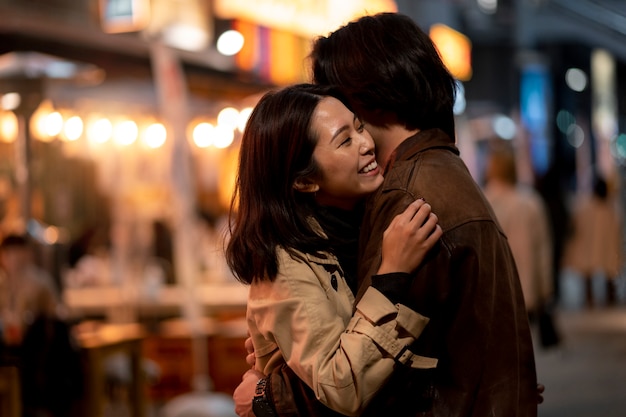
(305, 186)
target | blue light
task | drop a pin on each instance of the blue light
(535, 97)
(620, 145)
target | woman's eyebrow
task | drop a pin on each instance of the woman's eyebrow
(338, 132)
(341, 129)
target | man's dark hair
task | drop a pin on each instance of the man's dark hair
(390, 71)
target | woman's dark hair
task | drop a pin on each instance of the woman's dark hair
(387, 66)
(266, 211)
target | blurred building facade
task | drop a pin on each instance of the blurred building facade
(557, 69)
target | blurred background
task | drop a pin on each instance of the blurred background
(119, 130)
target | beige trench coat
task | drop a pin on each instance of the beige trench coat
(305, 318)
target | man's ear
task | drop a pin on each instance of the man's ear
(305, 186)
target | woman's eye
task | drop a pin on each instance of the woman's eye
(347, 141)
(361, 127)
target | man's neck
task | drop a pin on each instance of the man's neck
(388, 138)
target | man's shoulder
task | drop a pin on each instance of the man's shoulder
(426, 164)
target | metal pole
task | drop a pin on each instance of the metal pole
(30, 90)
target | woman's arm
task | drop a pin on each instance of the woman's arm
(344, 358)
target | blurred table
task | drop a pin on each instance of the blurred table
(98, 342)
(216, 350)
(100, 300)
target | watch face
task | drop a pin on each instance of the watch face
(260, 387)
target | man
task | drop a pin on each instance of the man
(396, 83)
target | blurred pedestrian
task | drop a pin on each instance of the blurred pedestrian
(34, 335)
(550, 186)
(522, 214)
(26, 290)
(595, 250)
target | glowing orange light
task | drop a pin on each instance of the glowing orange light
(455, 50)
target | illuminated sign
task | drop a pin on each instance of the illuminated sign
(535, 103)
(308, 18)
(124, 15)
(455, 50)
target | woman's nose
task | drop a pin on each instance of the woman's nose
(367, 146)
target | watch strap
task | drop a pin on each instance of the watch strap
(261, 403)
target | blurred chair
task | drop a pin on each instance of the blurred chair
(119, 376)
(10, 397)
(51, 369)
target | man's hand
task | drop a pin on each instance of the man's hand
(244, 393)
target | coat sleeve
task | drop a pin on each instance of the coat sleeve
(343, 365)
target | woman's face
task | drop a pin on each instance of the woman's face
(345, 155)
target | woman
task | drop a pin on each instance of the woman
(306, 164)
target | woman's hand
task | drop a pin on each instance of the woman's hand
(250, 358)
(244, 393)
(408, 238)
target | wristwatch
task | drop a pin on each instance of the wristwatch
(261, 405)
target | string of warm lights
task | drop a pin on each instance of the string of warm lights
(48, 124)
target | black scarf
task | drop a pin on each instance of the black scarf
(342, 228)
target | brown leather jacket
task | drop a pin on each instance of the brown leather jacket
(468, 286)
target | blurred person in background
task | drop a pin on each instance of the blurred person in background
(395, 81)
(295, 226)
(549, 186)
(35, 337)
(522, 214)
(595, 249)
(26, 291)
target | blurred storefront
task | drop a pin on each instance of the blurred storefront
(148, 81)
